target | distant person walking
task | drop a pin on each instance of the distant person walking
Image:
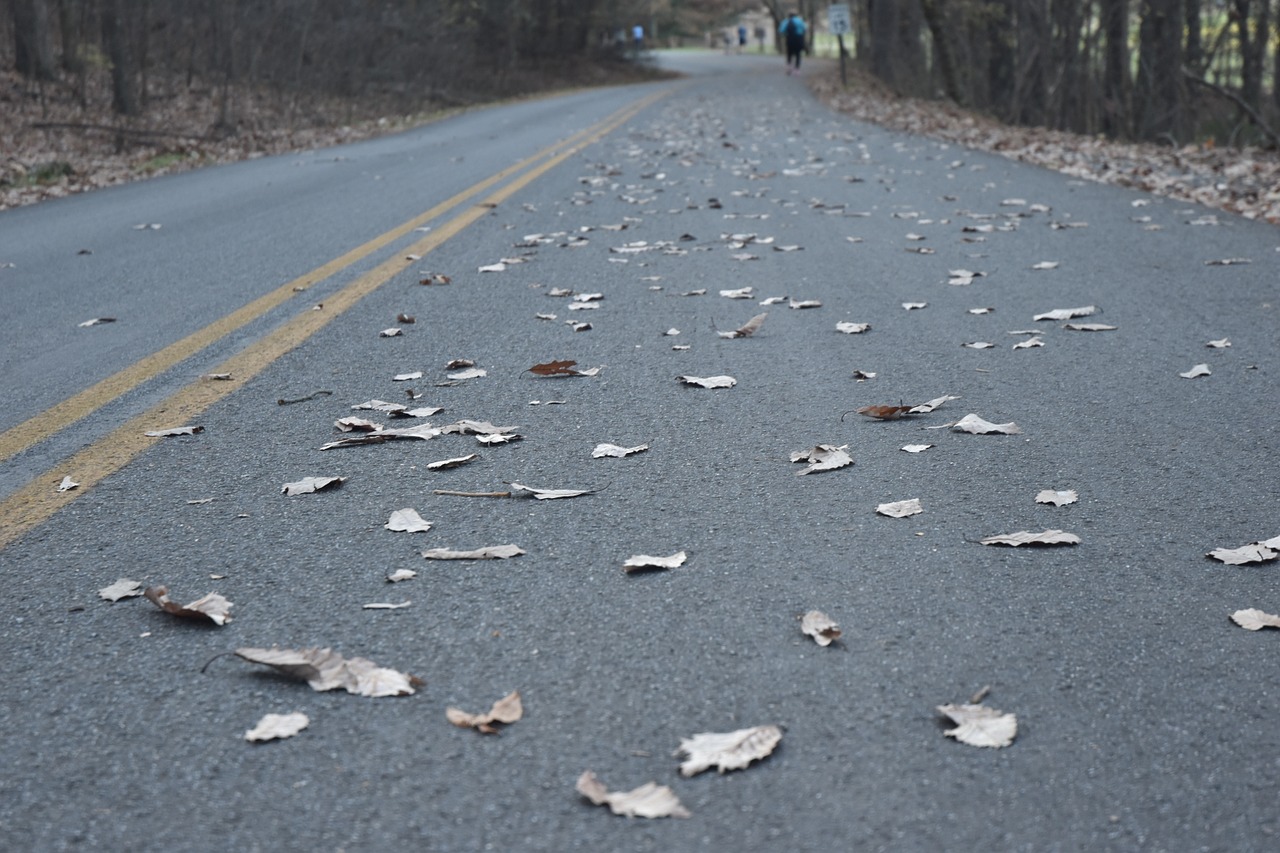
(792, 31)
(637, 35)
(761, 32)
(742, 37)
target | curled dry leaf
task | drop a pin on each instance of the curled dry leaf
(822, 457)
(978, 725)
(1057, 498)
(773, 300)
(1255, 620)
(1067, 313)
(1089, 327)
(470, 427)
(561, 368)
(818, 625)
(393, 332)
(383, 605)
(915, 448)
(1255, 552)
(182, 430)
(641, 562)
(936, 402)
(469, 373)
(308, 485)
(489, 552)
(709, 381)
(380, 406)
(901, 509)
(605, 449)
(728, 750)
(1219, 344)
(650, 800)
(1198, 370)
(354, 424)
(407, 521)
(979, 345)
(401, 575)
(740, 293)
(852, 328)
(1029, 343)
(747, 329)
(885, 412)
(797, 304)
(506, 710)
(915, 306)
(451, 463)
(325, 669)
(551, 494)
(1024, 537)
(277, 727)
(863, 375)
(405, 377)
(422, 432)
(67, 484)
(971, 423)
(212, 607)
(96, 321)
(123, 588)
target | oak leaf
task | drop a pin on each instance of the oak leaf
(506, 710)
(277, 727)
(650, 800)
(212, 607)
(1025, 537)
(978, 725)
(727, 750)
(490, 552)
(819, 626)
(325, 669)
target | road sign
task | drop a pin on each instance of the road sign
(838, 21)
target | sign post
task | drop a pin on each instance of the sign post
(839, 23)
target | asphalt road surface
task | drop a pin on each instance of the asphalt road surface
(1146, 718)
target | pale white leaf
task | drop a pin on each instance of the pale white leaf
(469, 373)
(588, 297)
(900, 509)
(380, 406)
(1029, 343)
(1089, 327)
(971, 423)
(123, 588)
(978, 725)
(979, 345)
(645, 561)
(819, 626)
(650, 800)
(354, 424)
(747, 329)
(1219, 344)
(498, 267)
(491, 552)
(1045, 265)
(740, 293)
(312, 484)
(773, 300)
(407, 521)
(1255, 552)
(550, 494)
(981, 310)
(728, 750)
(401, 575)
(325, 669)
(912, 306)
(822, 457)
(67, 484)
(378, 605)
(915, 448)
(1067, 313)
(1057, 498)
(1025, 537)
(1255, 620)
(212, 607)
(451, 463)
(805, 303)
(277, 726)
(420, 412)
(391, 333)
(404, 377)
(506, 710)
(1198, 370)
(709, 381)
(96, 321)
(182, 430)
(605, 449)
(852, 328)
(926, 408)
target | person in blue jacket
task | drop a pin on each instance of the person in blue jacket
(792, 31)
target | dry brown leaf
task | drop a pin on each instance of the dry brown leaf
(407, 521)
(641, 562)
(551, 494)
(558, 368)
(606, 449)
(506, 710)
(818, 625)
(747, 329)
(1198, 370)
(277, 727)
(183, 430)
(308, 485)
(709, 381)
(123, 588)
(490, 552)
(852, 328)
(325, 669)
(971, 423)
(451, 463)
(727, 750)
(978, 725)
(1067, 313)
(901, 509)
(1254, 552)
(884, 413)
(822, 457)
(1255, 620)
(212, 607)
(1024, 537)
(1057, 498)
(650, 800)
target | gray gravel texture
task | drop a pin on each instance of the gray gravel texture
(1146, 719)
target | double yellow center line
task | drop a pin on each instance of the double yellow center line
(36, 502)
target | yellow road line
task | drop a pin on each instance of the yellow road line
(36, 502)
(58, 417)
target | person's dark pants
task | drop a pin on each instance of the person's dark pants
(795, 47)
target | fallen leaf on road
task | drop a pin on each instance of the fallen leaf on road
(184, 430)
(469, 373)
(863, 375)
(498, 267)
(354, 424)
(1029, 343)
(405, 377)
(96, 321)
(212, 607)
(884, 412)
(1255, 620)
(308, 485)
(407, 521)
(325, 669)
(1089, 327)
(401, 575)
(852, 328)
(380, 406)
(1067, 313)
(981, 310)
(491, 552)
(393, 332)
(602, 450)
(926, 408)
(915, 448)
(901, 509)
(798, 304)
(551, 494)
(1219, 344)
(1024, 537)
(818, 625)
(650, 800)
(644, 561)
(1228, 262)
(506, 710)
(588, 297)
(1198, 370)
(431, 278)
(380, 605)
(822, 457)
(914, 306)
(773, 300)
(470, 427)
(978, 725)
(1255, 552)
(741, 293)
(1045, 265)
(727, 750)
(747, 329)
(1057, 498)
(123, 588)
(561, 368)
(277, 727)
(451, 463)
(67, 485)
(979, 345)
(709, 381)
(421, 432)
(971, 423)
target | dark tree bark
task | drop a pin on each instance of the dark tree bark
(1160, 99)
(943, 32)
(884, 39)
(1115, 75)
(32, 39)
(1252, 20)
(115, 39)
(1000, 65)
(1195, 40)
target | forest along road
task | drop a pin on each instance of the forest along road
(1144, 716)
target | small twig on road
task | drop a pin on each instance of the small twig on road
(284, 402)
(471, 494)
(980, 695)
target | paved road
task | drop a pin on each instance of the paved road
(1146, 718)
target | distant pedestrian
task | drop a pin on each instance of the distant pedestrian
(761, 32)
(637, 35)
(742, 37)
(792, 31)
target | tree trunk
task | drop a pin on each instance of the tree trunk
(1000, 65)
(115, 38)
(32, 40)
(942, 32)
(884, 38)
(1115, 80)
(1195, 41)
(1160, 93)
(1252, 30)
